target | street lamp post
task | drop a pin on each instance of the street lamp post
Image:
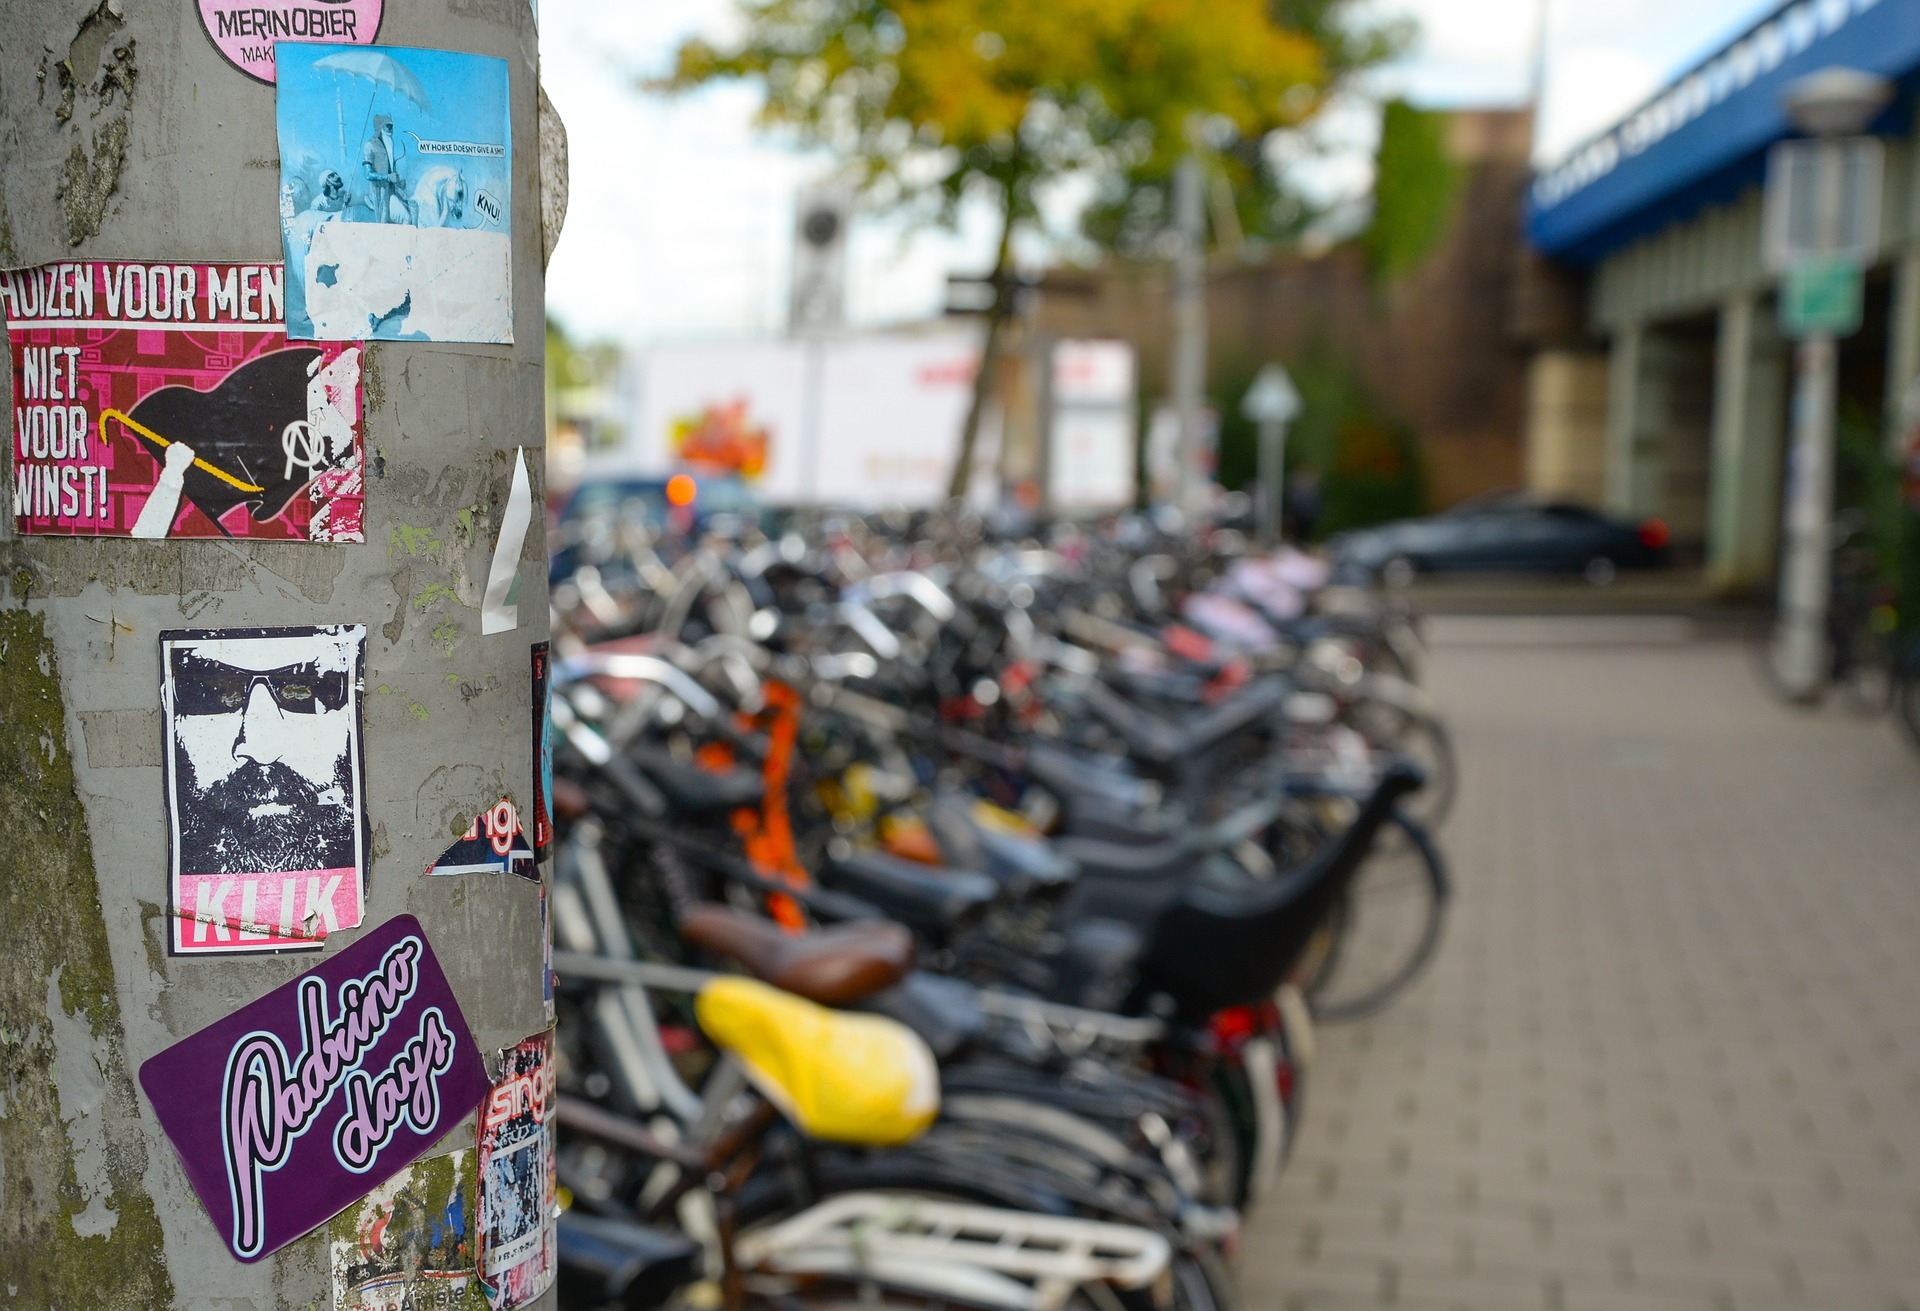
(1189, 327)
(1820, 222)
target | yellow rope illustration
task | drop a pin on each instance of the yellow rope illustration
(153, 436)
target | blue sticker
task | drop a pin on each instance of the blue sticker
(396, 193)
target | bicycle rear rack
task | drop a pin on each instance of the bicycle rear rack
(978, 1254)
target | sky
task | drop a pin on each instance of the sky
(680, 211)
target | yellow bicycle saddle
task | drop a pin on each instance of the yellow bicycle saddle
(860, 1079)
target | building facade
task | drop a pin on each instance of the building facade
(1435, 346)
(1666, 389)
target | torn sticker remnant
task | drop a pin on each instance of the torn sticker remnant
(542, 744)
(409, 1243)
(492, 844)
(518, 1207)
(499, 613)
(546, 955)
(265, 783)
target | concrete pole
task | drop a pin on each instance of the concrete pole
(129, 137)
(1189, 326)
(1800, 633)
(1806, 581)
(1728, 519)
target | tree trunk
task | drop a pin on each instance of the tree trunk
(986, 378)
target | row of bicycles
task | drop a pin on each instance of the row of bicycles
(943, 917)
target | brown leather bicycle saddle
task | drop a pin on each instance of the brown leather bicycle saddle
(834, 966)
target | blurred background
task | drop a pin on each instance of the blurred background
(1581, 339)
(775, 270)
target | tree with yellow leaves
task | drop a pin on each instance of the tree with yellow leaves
(945, 98)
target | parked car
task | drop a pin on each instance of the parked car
(1505, 534)
(678, 504)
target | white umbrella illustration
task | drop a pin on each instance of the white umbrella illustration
(381, 69)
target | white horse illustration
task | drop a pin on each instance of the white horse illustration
(440, 197)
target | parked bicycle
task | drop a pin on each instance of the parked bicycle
(1094, 825)
(1862, 621)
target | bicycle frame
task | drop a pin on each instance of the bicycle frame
(990, 1257)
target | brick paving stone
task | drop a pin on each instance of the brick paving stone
(1668, 1054)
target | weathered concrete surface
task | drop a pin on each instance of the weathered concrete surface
(1667, 1057)
(84, 1169)
(72, 1153)
(96, 158)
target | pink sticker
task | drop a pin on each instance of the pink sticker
(164, 400)
(244, 30)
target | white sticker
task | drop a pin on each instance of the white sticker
(497, 614)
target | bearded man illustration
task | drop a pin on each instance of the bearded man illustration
(263, 764)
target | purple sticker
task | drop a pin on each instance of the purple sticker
(244, 31)
(295, 1106)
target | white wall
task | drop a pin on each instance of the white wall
(864, 421)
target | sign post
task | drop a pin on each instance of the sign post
(1822, 222)
(816, 302)
(1272, 403)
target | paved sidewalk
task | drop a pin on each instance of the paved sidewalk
(1669, 1054)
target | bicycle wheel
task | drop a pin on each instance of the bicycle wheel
(1385, 928)
(1226, 1163)
(1422, 739)
(1426, 742)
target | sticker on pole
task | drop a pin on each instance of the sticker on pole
(163, 400)
(243, 31)
(499, 610)
(518, 1210)
(264, 783)
(492, 844)
(542, 744)
(395, 190)
(295, 1106)
(410, 1242)
(546, 954)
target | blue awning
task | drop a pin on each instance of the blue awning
(1704, 137)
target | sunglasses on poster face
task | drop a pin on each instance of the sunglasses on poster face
(212, 689)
